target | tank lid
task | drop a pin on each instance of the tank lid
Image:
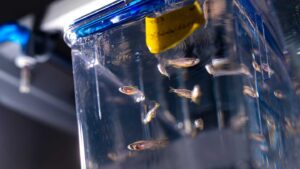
(117, 13)
(111, 15)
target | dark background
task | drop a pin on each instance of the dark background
(15, 9)
(26, 142)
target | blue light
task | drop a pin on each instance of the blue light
(14, 33)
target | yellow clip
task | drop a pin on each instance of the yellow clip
(168, 30)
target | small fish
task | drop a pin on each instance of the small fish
(256, 66)
(183, 62)
(270, 121)
(271, 128)
(257, 137)
(148, 145)
(129, 90)
(249, 91)
(151, 114)
(182, 92)
(133, 91)
(266, 67)
(279, 94)
(162, 70)
(199, 124)
(227, 69)
(272, 138)
(196, 94)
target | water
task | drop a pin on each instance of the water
(239, 131)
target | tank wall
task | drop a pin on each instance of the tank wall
(248, 96)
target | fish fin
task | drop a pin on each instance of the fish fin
(120, 89)
(196, 96)
(163, 65)
(209, 69)
(163, 62)
(194, 89)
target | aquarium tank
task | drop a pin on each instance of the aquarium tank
(184, 84)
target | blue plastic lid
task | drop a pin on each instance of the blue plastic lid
(113, 15)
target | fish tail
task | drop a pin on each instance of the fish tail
(167, 62)
(171, 90)
(194, 89)
(157, 105)
(195, 100)
(209, 69)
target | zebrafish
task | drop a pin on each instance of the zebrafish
(129, 90)
(143, 145)
(266, 67)
(256, 66)
(279, 94)
(193, 95)
(249, 91)
(162, 70)
(222, 67)
(151, 114)
(133, 91)
(183, 62)
(199, 124)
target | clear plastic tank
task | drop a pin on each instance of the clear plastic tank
(221, 98)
